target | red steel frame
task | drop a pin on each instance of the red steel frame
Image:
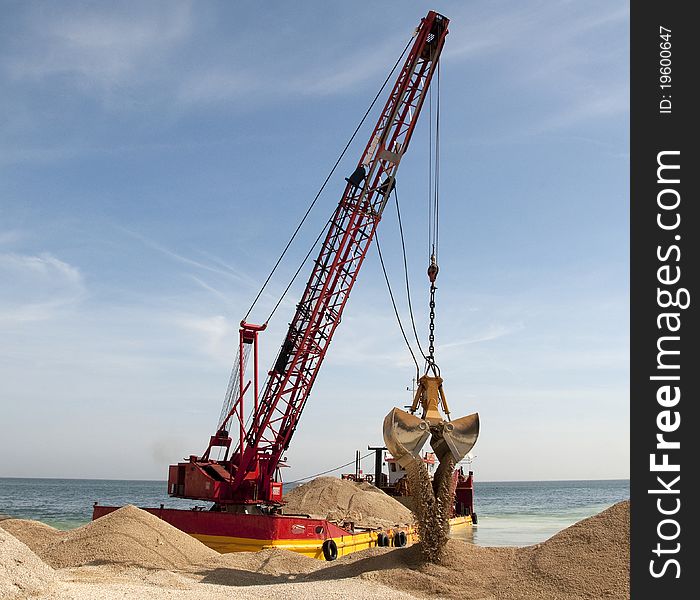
(249, 476)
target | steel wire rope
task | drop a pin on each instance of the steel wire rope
(405, 269)
(396, 310)
(330, 470)
(437, 166)
(296, 273)
(430, 167)
(306, 214)
(434, 172)
(320, 191)
(434, 216)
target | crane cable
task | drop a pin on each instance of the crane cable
(434, 229)
(329, 470)
(320, 191)
(393, 303)
(433, 243)
(405, 270)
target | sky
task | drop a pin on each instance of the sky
(155, 157)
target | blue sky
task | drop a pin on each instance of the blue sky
(155, 157)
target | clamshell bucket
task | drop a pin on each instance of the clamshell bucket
(455, 437)
(404, 435)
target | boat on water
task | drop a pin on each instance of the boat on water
(243, 483)
(248, 530)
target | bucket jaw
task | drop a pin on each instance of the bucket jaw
(455, 438)
(405, 433)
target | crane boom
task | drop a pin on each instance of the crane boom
(248, 477)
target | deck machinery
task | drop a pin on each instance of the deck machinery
(258, 419)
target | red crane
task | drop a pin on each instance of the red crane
(248, 474)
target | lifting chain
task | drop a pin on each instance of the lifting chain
(432, 275)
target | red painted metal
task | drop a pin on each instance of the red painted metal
(464, 494)
(254, 527)
(250, 474)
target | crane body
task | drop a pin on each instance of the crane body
(247, 478)
(259, 418)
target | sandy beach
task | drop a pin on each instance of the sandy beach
(132, 554)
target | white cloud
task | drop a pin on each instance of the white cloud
(36, 287)
(215, 335)
(102, 49)
(550, 49)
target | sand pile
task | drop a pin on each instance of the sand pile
(267, 567)
(35, 534)
(272, 561)
(130, 536)
(466, 571)
(589, 560)
(344, 501)
(22, 573)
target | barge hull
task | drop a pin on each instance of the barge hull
(227, 532)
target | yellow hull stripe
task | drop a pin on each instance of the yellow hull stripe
(347, 544)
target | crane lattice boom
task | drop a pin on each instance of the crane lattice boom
(249, 474)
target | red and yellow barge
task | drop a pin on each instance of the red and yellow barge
(317, 538)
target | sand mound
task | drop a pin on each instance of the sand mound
(466, 571)
(342, 500)
(589, 560)
(35, 534)
(130, 536)
(22, 573)
(271, 566)
(272, 561)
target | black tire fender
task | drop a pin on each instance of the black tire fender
(475, 521)
(382, 539)
(400, 539)
(330, 550)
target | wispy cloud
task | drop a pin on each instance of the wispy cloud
(215, 335)
(11, 236)
(36, 287)
(102, 47)
(227, 271)
(548, 49)
(492, 332)
(209, 288)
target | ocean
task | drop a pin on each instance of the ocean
(509, 513)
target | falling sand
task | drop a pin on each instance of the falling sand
(432, 505)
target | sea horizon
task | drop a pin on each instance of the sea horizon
(510, 513)
(295, 481)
